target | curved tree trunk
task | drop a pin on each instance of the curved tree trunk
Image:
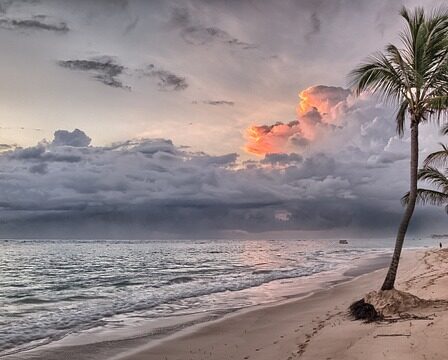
(392, 273)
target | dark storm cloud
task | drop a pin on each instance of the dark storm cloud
(152, 185)
(167, 81)
(41, 168)
(68, 141)
(35, 23)
(347, 173)
(76, 138)
(40, 153)
(105, 69)
(195, 33)
(141, 186)
(282, 159)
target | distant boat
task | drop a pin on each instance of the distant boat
(344, 242)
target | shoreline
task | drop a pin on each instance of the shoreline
(162, 349)
(318, 327)
(126, 344)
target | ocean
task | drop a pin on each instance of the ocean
(64, 289)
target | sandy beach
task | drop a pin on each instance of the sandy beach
(313, 327)
(318, 327)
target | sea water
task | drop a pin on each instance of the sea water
(52, 288)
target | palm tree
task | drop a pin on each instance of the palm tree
(435, 173)
(414, 77)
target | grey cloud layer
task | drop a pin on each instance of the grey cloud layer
(138, 188)
(350, 176)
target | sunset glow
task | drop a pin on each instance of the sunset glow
(269, 139)
(318, 107)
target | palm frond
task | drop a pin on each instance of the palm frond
(415, 76)
(444, 129)
(378, 75)
(438, 158)
(428, 197)
(435, 177)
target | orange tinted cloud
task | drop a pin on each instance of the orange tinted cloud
(318, 107)
(325, 99)
(266, 139)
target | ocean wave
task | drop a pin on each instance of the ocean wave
(257, 272)
(180, 280)
(88, 288)
(87, 314)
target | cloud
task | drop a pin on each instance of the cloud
(76, 138)
(132, 25)
(282, 159)
(215, 102)
(65, 141)
(104, 69)
(386, 158)
(41, 168)
(107, 70)
(15, 15)
(146, 147)
(265, 139)
(41, 153)
(327, 100)
(197, 34)
(315, 26)
(218, 102)
(137, 187)
(321, 109)
(40, 22)
(167, 81)
(6, 147)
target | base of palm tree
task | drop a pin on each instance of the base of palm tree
(390, 305)
(394, 302)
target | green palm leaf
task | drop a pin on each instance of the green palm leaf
(428, 196)
(438, 158)
(414, 77)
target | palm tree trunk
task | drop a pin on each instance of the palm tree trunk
(392, 273)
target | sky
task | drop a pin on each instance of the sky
(187, 119)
